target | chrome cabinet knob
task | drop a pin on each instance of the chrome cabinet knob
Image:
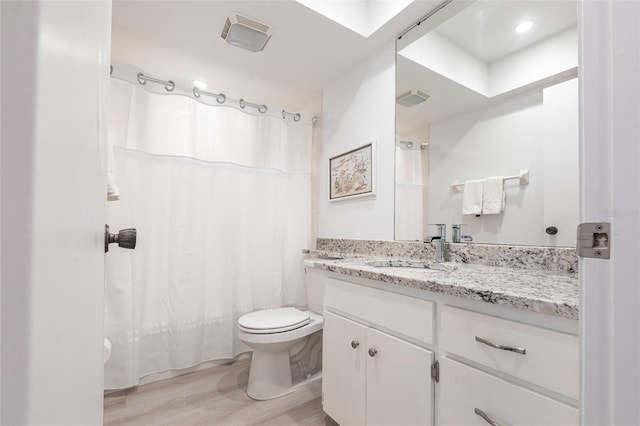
(355, 344)
(372, 352)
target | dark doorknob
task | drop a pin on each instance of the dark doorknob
(126, 238)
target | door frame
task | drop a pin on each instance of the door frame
(609, 181)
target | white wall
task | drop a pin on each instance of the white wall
(164, 61)
(492, 141)
(540, 61)
(437, 53)
(549, 57)
(55, 62)
(357, 109)
(560, 165)
(499, 140)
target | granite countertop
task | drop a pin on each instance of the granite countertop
(553, 293)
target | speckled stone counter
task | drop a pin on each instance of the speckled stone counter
(552, 259)
(553, 293)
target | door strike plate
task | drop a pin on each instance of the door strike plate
(594, 240)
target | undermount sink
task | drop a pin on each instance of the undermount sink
(328, 257)
(412, 264)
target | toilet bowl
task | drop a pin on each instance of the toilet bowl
(272, 333)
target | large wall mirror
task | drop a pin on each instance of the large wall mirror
(489, 89)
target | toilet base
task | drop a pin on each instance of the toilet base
(270, 375)
(275, 380)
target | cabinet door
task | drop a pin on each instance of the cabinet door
(464, 389)
(399, 384)
(344, 370)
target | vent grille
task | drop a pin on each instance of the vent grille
(246, 33)
(225, 30)
(252, 24)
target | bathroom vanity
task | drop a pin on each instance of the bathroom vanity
(463, 344)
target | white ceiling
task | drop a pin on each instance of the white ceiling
(485, 30)
(307, 52)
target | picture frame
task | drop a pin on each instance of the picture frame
(352, 174)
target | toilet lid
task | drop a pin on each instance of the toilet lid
(273, 320)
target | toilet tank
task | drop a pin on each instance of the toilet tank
(314, 281)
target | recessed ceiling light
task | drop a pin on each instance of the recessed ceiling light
(200, 84)
(524, 26)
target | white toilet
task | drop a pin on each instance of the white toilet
(272, 333)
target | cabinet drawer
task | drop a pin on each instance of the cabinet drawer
(404, 315)
(550, 361)
(465, 389)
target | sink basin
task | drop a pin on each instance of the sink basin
(412, 264)
(327, 257)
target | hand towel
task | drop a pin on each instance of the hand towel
(472, 197)
(493, 199)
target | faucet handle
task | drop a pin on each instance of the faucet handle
(442, 230)
(458, 225)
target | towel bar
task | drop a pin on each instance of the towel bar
(523, 177)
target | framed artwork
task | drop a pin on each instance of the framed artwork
(352, 173)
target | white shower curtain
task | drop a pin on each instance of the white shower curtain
(221, 201)
(409, 194)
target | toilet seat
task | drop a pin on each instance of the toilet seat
(270, 321)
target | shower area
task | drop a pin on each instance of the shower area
(219, 189)
(412, 186)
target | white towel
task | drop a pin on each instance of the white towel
(493, 199)
(472, 197)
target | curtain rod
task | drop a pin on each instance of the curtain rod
(132, 74)
(437, 9)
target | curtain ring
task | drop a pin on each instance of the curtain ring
(141, 79)
(283, 115)
(242, 104)
(196, 92)
(296, 117)
(221, 98)
(262, 108)
(170, 86)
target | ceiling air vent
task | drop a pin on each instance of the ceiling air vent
(246, 33)
(411, 98)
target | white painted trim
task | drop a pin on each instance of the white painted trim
(609, 175)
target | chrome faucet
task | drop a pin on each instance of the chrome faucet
(438, 241)
(456, 237)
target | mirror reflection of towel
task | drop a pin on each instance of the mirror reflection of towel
(494, 198)
(472, 197)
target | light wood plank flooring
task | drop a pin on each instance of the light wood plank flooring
(214, 396)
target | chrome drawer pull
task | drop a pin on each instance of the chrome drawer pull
(372, 352)
(485, 417)
(522, 351)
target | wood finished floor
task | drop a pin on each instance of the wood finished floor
(215, 396)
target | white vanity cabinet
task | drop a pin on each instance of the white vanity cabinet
(522, 362)
(371, 377)
(495, 365)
